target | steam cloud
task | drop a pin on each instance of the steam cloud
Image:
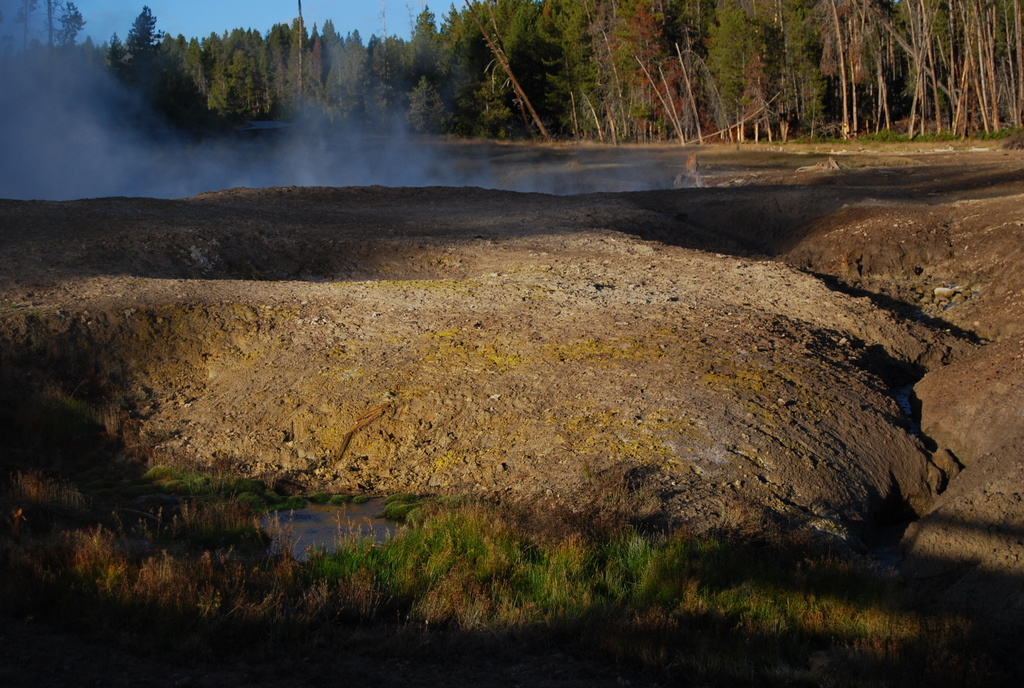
(70, 133)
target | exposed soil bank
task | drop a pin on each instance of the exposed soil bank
(488, 343)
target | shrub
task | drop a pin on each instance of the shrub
(884, 136)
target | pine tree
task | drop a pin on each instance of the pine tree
(71, 24)
(117, 57)
(142, 45)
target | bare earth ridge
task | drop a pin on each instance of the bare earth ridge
(732, 352)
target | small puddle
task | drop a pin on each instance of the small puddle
(884, 547)
(323, 525)
(903, 395)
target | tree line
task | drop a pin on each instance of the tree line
(605, 70)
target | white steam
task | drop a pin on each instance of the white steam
(76, 133)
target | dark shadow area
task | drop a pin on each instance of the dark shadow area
(899, 308)
(763, 221)
(983, 530)
(320, 233)
(976, 583)
(772, 219)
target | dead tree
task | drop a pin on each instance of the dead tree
(499, 54)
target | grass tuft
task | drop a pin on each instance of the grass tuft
(398, 507)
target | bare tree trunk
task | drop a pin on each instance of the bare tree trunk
(499, 55)
(913, 114)
(915, 51)
(575, 121)
(300, 51)
(854, 120)
(670, 112)
(981, 81)
(883, 98)
(953, 79)
(929, 40)
(842, 69)
(1018, 113)
(612, 128)
(689, 94)
(969, 71)
(610, 107)
(677, 120)
(959, 123)
(49, 23)
(24, 15)
(597, 120)
(858, 43)
(989, 34)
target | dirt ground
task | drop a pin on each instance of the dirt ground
(733, 349)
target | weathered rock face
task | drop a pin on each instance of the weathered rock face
(511, 350)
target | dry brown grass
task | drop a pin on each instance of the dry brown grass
(34, 488)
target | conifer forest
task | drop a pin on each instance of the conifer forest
(599, 70)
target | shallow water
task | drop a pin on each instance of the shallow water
(321, 526)
(903, 396)
(884, 547)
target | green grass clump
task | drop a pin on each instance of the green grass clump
(319, 498)
(243, 485)
(1002, 134)
(214, 525)
(884, 136)
(277, 502)
(59, 417)
(398, 507)
(179, 482)
(256, 503)
(252, 494)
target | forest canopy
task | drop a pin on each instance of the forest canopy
(604, 70)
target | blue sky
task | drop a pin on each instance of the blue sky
(199, 18)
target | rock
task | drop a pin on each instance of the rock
(829, 165)
(947, 463)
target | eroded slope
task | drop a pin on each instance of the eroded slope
(507, 345)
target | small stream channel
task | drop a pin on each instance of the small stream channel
(323, 526)
(884, 546)
(903, 396)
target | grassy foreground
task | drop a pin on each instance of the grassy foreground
(730, 609)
